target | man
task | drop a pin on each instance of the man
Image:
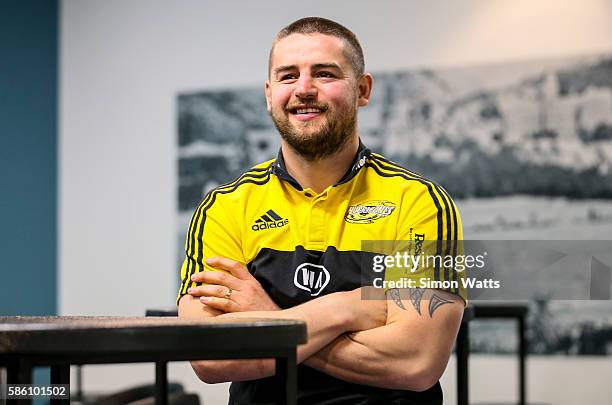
(285, 241)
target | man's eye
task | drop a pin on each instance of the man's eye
(288, 76)
(325, 74)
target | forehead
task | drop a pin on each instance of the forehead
(308, 49)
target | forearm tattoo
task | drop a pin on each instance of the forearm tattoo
(436, 302)
(395, 295)
(416, 296)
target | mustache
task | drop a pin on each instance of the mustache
(293, 107)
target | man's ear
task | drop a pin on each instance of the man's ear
(364, 86)
(268, 92)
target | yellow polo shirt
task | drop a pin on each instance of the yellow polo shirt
(300, 244)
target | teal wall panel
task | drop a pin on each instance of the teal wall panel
(28, 156)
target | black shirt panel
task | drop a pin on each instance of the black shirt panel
(276, 271)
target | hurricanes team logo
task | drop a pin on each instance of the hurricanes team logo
(369, 212)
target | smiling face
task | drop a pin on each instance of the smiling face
(313, 94)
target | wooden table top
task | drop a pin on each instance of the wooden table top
(142, 336)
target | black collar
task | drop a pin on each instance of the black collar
(280, 169)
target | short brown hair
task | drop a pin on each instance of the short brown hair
(318, 25)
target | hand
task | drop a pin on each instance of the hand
(368, 307)
(235, 292)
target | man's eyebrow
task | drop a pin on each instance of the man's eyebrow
(326, 66)
(316, 66)
(283, 68)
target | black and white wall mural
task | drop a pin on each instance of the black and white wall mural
(525, 148)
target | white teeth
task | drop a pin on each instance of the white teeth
(307, 110)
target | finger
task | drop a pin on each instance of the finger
(215, 277)
(221, 278)
(222, 304)
(197, 277)
(209, 290)
(236, 268)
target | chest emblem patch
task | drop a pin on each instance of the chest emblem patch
(269, 220)
(368, 212)
(311, 277)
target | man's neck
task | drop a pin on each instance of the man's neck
(320, 174)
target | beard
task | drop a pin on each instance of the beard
(315, 141)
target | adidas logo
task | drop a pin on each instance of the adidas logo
(269, 220)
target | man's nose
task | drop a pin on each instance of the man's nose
(305, 87)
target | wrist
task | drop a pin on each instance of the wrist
(339, 315)
(342, 311)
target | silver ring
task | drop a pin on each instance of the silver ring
(228, 293)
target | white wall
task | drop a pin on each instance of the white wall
(123, 63)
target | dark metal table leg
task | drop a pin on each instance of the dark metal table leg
(462, 352)
(522, 356)
(161, 383)
(79, 383)
(19, 372)
(60, 374)
(286, 375)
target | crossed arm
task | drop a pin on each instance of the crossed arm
(400, 341)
